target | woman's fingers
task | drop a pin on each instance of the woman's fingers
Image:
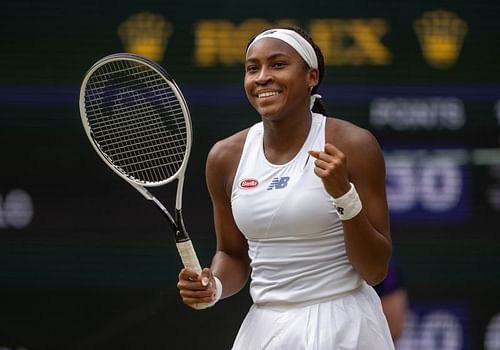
(331, 167)
(196, 288)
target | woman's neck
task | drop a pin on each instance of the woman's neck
(284, 138)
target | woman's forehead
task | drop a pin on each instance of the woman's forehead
(267, 47)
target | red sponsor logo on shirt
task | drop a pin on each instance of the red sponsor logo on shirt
(248, 183)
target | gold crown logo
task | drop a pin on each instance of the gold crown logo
(441, 35)
(145, 34)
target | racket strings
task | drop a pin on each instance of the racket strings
(136, 125)
(115, 143)
(145, 152)
(144, 106)
(137, 120)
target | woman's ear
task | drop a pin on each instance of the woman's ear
(313, 77)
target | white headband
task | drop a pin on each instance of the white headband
(295, 40)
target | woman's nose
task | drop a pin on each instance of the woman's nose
(263, 76)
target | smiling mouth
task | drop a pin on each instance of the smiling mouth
(267, 94)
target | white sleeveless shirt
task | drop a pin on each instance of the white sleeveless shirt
(295, 238)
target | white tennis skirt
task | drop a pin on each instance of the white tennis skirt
(351, 322)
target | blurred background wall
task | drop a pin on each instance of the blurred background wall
(86, 263)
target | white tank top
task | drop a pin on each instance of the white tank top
(295, 238)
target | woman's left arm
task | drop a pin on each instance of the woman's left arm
(367, 235)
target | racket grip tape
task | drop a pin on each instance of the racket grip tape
(188, 255)
(190, 261)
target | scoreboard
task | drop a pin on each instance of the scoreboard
(423, 77)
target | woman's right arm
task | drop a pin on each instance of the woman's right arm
(231, 263)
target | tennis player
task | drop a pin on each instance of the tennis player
(299, 206)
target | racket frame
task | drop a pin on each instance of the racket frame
(182, 240)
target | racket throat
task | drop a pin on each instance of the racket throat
(180, 231)
(176, 222)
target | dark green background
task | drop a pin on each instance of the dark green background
(97, 267)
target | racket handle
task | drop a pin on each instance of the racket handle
(190, 261)
(188, 255)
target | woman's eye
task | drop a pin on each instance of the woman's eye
(251, 69)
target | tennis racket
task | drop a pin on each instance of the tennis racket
(136, 118)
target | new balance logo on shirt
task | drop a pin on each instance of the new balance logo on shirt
(278, 183)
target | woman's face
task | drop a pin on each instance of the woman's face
(277, 80)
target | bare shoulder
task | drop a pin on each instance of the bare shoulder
(347, 136)
(361, 148)
(227, 149)
(222, 161)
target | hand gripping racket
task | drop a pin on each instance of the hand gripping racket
(136, 118)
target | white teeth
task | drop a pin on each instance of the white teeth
(267, 94)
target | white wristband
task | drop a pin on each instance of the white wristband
(348, 205)
(218, 292)
(218, 289)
